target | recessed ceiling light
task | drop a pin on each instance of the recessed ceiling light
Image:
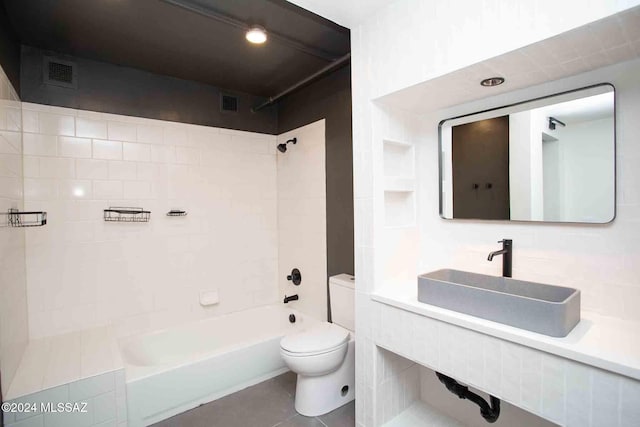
(492, 81)
(256, 35)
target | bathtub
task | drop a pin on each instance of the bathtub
(173, 370)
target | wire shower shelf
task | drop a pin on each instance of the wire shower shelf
(15, 218)
(117, 214)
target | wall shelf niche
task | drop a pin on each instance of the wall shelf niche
(399, 159)
(399, 183)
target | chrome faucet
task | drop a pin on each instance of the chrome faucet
(507, 256)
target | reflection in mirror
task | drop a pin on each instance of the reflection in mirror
(549, 159)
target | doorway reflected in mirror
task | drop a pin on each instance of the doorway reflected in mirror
(550, 159)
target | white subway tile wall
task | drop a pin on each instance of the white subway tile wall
(560, 390)
(407, 42)
(83, 272)
(399, 382)
(302, 223)
(599, 260)
(109, 150)
(13, 304)
(95, 402)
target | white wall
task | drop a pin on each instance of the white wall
(411, 41)
(537, 170)
(447, 171)
(13, 288)
(465, 411)
(520, 164)
(525, 166)
(553, 185)
(83, 272)
(302, 223)
(587, 170)
(571, 255)
(600, 260)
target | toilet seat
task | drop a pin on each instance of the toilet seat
(320, 339)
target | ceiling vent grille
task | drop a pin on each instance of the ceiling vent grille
(58, 72)
(228, 103)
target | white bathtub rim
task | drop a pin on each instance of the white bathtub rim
(126, 338)
(135, 372)
(142, 372)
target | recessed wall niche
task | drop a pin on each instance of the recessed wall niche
(399, 183)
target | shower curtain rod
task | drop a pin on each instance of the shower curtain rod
(320, 73)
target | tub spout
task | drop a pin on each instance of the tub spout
(290, 298)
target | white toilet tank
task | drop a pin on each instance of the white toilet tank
(342, 292)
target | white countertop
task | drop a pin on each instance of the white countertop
(604, 342)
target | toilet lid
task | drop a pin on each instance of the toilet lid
(318, 339)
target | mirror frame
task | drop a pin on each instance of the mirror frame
(615, 159)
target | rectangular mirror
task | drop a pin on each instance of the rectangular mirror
(549, 159)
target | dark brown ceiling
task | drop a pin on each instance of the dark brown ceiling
(163, 38)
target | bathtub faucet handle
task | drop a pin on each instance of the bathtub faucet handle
(295, 277)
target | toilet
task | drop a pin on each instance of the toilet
(324, 356)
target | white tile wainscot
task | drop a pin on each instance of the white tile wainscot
(570, 381)
(101, 402)
(78, 367)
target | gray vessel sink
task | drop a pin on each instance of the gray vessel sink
(545, 309)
